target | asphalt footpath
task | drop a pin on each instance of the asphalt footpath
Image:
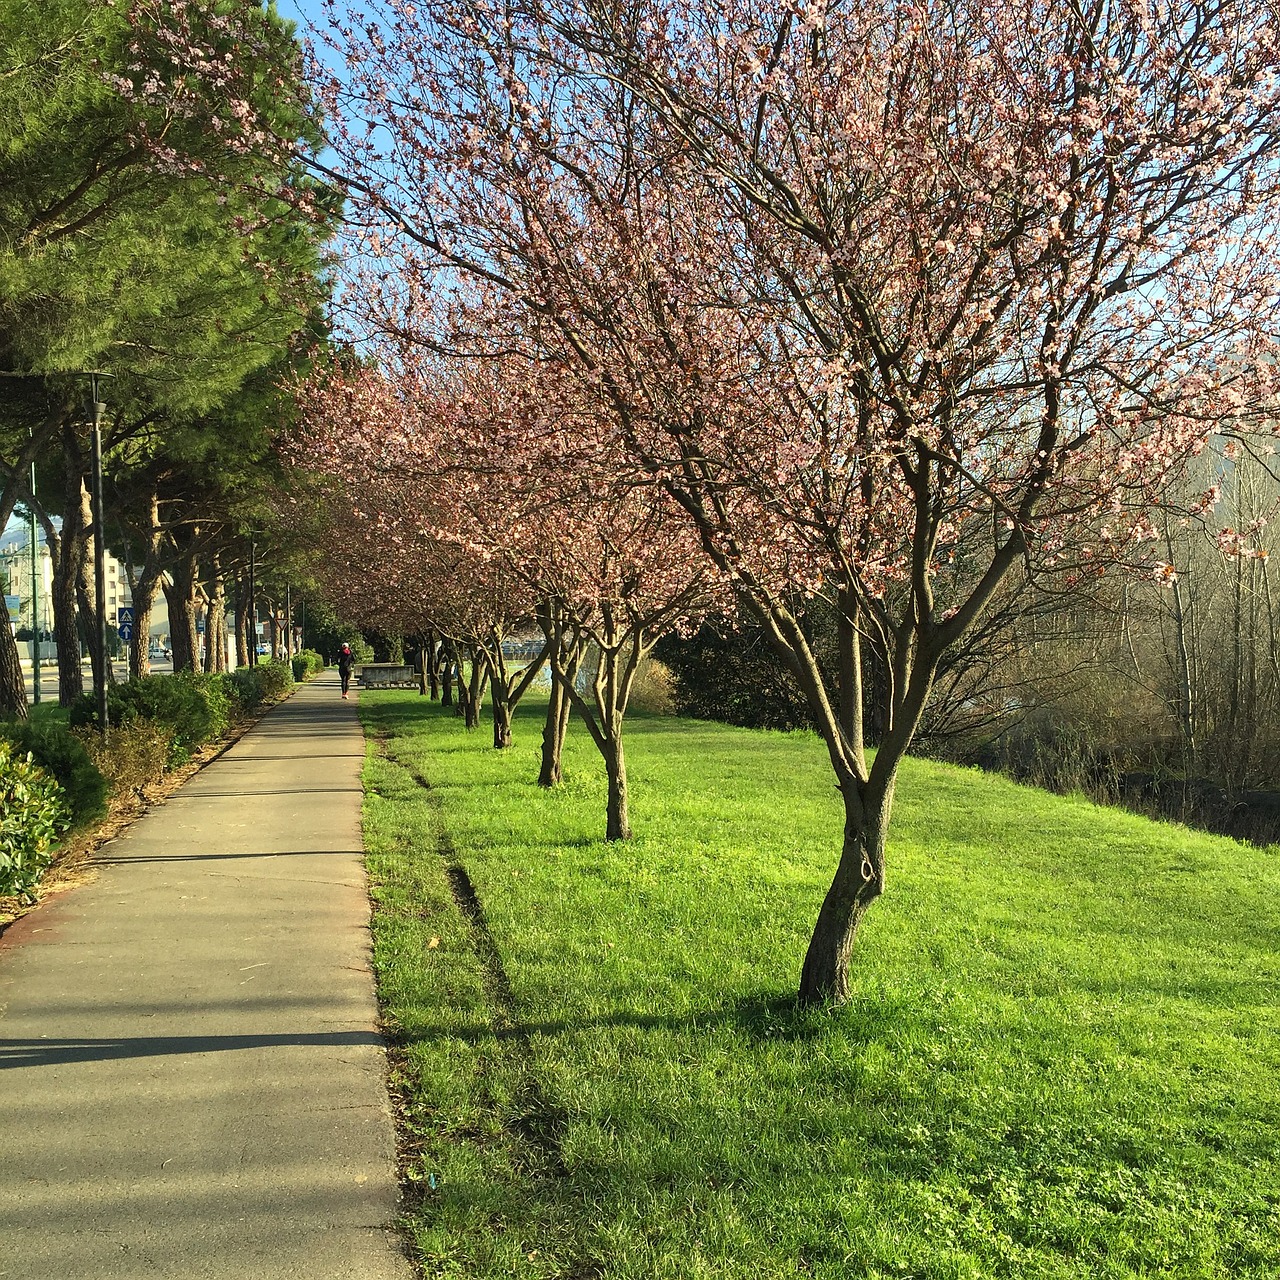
(192, 1083)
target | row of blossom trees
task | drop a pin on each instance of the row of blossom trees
(481, 501)
(891, 303)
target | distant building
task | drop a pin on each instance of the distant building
(15, 567)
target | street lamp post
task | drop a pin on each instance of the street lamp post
(253, 606)
(100, 565)
(35, 593)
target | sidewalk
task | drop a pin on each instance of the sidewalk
(191, 1080)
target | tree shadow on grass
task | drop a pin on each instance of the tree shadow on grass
(766, 1016)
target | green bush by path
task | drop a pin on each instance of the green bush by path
(306, 664)
(1062, 1059)
(196, 707)
(55, 749)
(135, 755)
(253, 686)
(33, 814)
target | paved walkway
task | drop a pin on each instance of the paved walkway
(191, 1080)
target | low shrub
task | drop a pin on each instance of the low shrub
(62, 755)
(654, 689)
(307, 664)
(134, 756)
(33, 814)
(196, 707)
(83, 713)
(255, 685)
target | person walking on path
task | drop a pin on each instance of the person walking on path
(194, 1084)
(346, 660)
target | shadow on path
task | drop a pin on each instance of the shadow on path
(49, 1053)
(129, 860)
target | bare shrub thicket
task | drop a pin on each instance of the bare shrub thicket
(1160, 694)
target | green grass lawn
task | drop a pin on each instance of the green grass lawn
(1062, 1059)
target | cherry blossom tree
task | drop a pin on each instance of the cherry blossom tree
(896, 303)
(372, 507)
(501, 466)
(1027, 258)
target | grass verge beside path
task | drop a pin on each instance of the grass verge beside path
(1062, 1060)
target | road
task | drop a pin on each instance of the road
(49, 677)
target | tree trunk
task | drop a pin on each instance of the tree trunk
(181, 596)
(620, 650)
(508, 687)
(140, 644)
(66, 635)
(144, 588)
(215, 620)
(617, 823)
(564, 656)
(13, 689)
(553, 731)
(501, 721)
(243, 630)
(447, 655)
(68, 548)
(430, 667)
(99, 658)
(858, 882)
(475, 690)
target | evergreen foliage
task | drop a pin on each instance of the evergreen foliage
(56, 750)
(33, 814)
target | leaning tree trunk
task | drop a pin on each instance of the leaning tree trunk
(242, 620)
(858, 882)
(180, 592)
(215, 620)
(13, 689)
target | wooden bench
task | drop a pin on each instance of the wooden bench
(388, 675)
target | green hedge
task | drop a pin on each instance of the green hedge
(255, 685)
(196, 707)
(33, 814)
(133, 757)
(56, 750)
(306, 664)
